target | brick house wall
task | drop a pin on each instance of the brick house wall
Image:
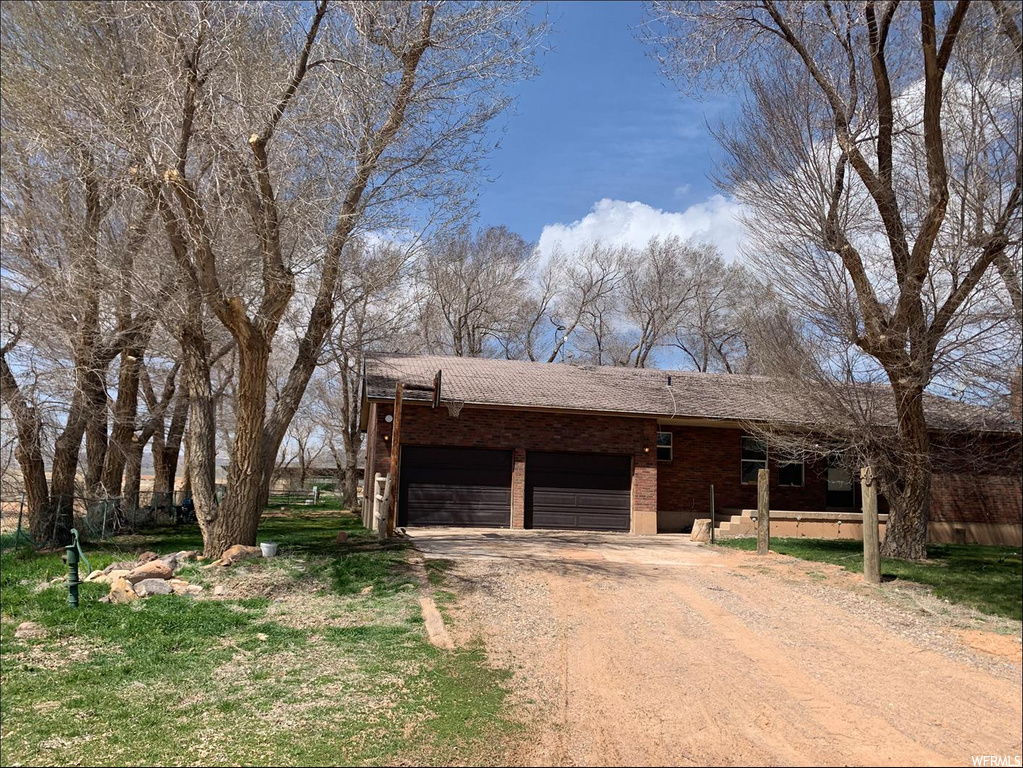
(705, 456)
(521, 431)
(667, 496)
(991, 499)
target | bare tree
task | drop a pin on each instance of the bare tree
(79, 260)
(374, 313)
(620, 304)
(659, 290)
(251, 130)
(471, 286)
(713, 334)
(874, 212)
(590, 278)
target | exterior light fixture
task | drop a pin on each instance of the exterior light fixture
(388, 418)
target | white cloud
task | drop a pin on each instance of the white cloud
(623, 223)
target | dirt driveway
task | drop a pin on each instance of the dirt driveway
(657, 651)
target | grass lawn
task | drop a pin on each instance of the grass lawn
(297, 663)
(988, 578)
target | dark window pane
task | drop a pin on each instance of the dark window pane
(790, 474)
(753, 449)
(749, 470)
(664, 453)
(664, 438)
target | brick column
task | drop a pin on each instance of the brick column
(644, 484)
(518, 489)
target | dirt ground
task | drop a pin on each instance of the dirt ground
(657, 651)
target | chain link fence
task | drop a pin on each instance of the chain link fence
(98, 518)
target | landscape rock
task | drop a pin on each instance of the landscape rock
(96, 576)
(366, 590)
(118, 574)
(178, 585)
(148, 587)
(238, 552)
(121, 591)
(29, 630)
(701, 530)
(219, 590)
(145, 557)
(154, 569)
(193, 589)
(171, 561)
(120, 566)
(342, 537)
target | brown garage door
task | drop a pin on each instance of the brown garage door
(581, 491)
(455, 486)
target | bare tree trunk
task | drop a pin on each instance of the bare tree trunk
(132, 477)
(163, 479)
(28, 453)
(350, 488)
(186, 473)
(166, 450)
(201, 442)
(237, 519)
(125, 412)
(909, 492)
(95, 389)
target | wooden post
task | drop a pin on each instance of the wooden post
(763, 514)
(713, 516)
(392, 497)
(871, 543)
(385, 498)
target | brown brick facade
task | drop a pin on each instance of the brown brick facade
(665, 495)
(992, 499)
(521, 431)
(705, 456)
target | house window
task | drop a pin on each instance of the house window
(790, 474)
(664, 446)
(754, 458)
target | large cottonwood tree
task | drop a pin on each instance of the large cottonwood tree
(878, 155)
(258, 140)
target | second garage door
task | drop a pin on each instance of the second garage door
(580, 491)
(455, 486)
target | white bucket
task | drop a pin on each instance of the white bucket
(269, 548)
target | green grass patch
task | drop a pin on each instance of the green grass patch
(317, 671)
(989, 579)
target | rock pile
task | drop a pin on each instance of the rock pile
(151, 574)
(237, 553)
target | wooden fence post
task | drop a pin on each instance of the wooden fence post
(871, 540)
(392, 497)
(713, 515)
(763, 514)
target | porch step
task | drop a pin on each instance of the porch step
(736, 526)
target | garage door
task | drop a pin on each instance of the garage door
(578, 491)
(455, 486)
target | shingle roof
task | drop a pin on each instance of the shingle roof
(632, 391)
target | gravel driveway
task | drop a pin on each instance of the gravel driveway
(657, 651)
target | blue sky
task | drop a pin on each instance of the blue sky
(600, 123)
